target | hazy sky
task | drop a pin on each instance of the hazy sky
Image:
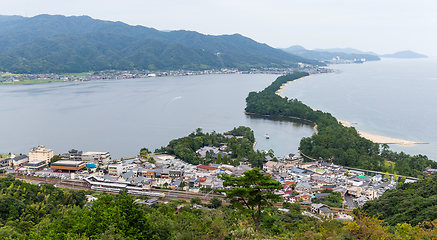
(381, 26)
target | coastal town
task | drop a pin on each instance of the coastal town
(8, 78)
(306, 183)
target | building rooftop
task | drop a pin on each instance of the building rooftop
(68, 163)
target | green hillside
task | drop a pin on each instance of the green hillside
(411, 203)
(59, 44)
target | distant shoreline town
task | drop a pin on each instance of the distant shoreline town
(10, 79)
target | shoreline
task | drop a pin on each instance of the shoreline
(295, 118)
(279, 92)
(381, 139)
(369, 136)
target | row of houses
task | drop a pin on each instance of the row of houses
(166, 172)
(305, 181)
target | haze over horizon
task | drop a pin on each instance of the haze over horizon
(379, 26)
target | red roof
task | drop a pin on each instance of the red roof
(289, 183)
(207, 167)
(202, 179)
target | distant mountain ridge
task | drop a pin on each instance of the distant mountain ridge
(351, 53)
(345, 50)
(404, 54)
(320, 55)
(55, 43)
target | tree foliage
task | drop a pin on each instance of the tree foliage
(252, 192)
(45, 212)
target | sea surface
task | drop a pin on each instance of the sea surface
(122, 116)
(392, 97)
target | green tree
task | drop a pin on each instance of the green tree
(55, 158)
(151, 160)
(196, 200)
(219, 158)
(215, 202)
(251, 193)
(145, 152)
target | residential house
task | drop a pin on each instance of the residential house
(322, 209)
(16, 161)
(305, 198)
(125, 176)
(120, 168)
(301, 173)
(202, 152)
(158, 172)
(176, 173)
(269, 166)
(194, 182)
(165, 173)
(321, 195)
(354, 191)
(308, 164)
(207, 169)
(175, 184)
(303, 187)
(136, 180)
(150, 173)
(290, 197)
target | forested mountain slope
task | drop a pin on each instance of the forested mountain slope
(48, 43)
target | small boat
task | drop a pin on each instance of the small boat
(267, 136)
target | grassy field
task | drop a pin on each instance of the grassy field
(4, 156)
(83, 74)
(33, 81)
(42, 80)
(389, 164)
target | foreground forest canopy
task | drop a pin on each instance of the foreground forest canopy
(343, 145)
(59, 44)
(46, 212)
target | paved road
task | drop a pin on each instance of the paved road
(350, 203)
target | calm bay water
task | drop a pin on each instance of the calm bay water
(391, 97)
(122, 116)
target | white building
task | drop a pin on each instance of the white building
(96, 157)
(38, 154)
(119, 168)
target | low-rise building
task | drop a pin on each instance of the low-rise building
(70, 166)
(119, 168)
(207, 169)
(16, 161)
(322, 209)
(102, 158)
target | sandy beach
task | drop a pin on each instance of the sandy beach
(380, 139)
(279, 92)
